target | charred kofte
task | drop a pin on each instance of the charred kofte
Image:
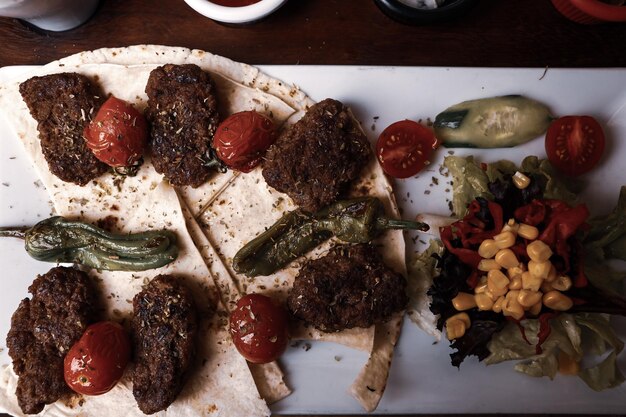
(164, 331)
(349, 287)
(182, 113)
(43, 329)
(62, 105)
(315, 160)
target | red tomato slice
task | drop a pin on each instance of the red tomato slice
(242, 139)
(258, 328)
(118, 134)
(97, 361)
(575, 144)
(404, 148)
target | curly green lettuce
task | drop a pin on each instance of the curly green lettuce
(567, 333)
(606, 240)
(471, 179)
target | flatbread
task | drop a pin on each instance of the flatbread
(123, 72)
(221, 383)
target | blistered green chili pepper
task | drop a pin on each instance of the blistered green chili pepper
(60, 240)
(357, 220)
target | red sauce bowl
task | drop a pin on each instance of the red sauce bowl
(235, 11)
(590, 12)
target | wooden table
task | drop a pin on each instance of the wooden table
(511, 33)
(496, 33)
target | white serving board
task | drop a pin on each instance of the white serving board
(422, 379)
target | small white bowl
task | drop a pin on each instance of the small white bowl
(242, 14)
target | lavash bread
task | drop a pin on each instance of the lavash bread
(206, 249)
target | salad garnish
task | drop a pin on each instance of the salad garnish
(522, 275)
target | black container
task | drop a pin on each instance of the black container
(409, 15)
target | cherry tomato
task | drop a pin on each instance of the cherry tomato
(118, 134)
(259, 328)
(404, 148)
(574, 144)
(242, 139)
(97, 361)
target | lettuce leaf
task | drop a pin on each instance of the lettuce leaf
(421, 271)
(605, 240)
(566, 336)
(608, 233)
(556, 187)
(470, 181)
(606, 374)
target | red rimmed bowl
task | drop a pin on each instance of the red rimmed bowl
(239, 12)
(590, 12)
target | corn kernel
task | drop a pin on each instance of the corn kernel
(520, 180)
(481, 287)
(497, 282)
(488, 265)
(531, 282)
(505, 239)
(539, 269)
(463, 317)
(511, 308)
(557, 301)
(463, 301)
(567, 364)
(528, 298)
(494, 296)
(516, 270)
(552, 275)
(562, 283)
(506, 258)
(455, 329)
(538, 251)
(483, 302)
(516, 282)
(488, 248)
(527, 231)
(512, 295)
(456, 326)
(510, 226)
(497, 305)
(536, 309)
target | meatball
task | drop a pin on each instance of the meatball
(349, 287)
(182, 113)
(62, 105)
(43, 329)
(316, 159)
(164, 330)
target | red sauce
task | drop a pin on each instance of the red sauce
(234, 3)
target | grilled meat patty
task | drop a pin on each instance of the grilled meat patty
(62, 104)
(349, 287)
(164, 331)
(182, 113)
(43, 329)
(315, 160)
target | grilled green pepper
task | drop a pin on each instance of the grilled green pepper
(57, 239)
(357, 220)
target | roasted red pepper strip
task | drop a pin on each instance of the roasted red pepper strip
(544, 330)
(471, 232)
(560, 222)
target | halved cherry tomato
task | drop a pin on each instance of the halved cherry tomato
(259, 328)
(242, 139)
(97, 361)
(575, 144)
(118, 134)
(404, 148)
